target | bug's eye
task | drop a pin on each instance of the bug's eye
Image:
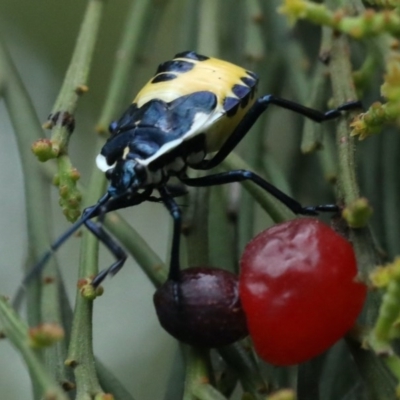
(113, 127)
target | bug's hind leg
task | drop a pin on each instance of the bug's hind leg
(254, 113)
(242, 175)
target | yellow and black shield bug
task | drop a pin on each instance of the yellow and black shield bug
(191, 114)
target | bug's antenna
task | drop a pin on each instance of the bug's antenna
(38, 267)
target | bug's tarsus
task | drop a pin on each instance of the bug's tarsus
(351, 105)
(99, 278)
(330, 208)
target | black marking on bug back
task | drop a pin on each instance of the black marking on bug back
(249, 81)
(243, 92)
(164, 78)
(231, 105)
(178, 66)
(253, 75)
(174, 119)
(142, 148)
(191, 55)
(144, 130)
(127, 120)
(115, 145)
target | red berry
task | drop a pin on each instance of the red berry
(299, 290)
(207, 312)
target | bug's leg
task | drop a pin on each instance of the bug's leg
(88, 213)
(242, 175)
(103, 206)
(112, 246)
(126, 200)
(257, 109)
(174, 267)
(174, 210)
(37, 269)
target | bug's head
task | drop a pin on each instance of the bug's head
(123, 175)
(120, 165)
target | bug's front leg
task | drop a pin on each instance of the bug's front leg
(112, 246)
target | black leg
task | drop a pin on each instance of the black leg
(103, 206)
(88, 213)
(111, 245)
(118, 203)
(174, 210)
(242, 175)
(257, 109)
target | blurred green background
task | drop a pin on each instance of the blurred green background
(41, 37)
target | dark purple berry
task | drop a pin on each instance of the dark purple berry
(203, 309)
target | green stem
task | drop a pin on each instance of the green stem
(237, 357)
(328, 159)
(221, 231)
(380, 384)
(43, 303)
(23, 115)
(388, 313)
(149, 261)
(111, 384)
(254, 145)
(205, 391)
(273, 207)
(62, 118)
(17, 332)
(197, 237)
(198, 366)
(343, 90)
(80, 354)
(311, 138)
(37, 192)
(189, 25)
(137, 20)
(254, 45)
(77, 74)
(197, 371)
(391, 191)
(207, 42)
